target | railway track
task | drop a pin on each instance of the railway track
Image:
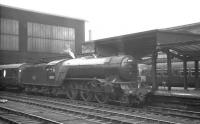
(39, 111)
(108, 113)
(175, 112)
(184, 115)
(175, 102)
(102, 115)
(13, 116)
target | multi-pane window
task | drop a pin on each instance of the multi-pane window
(49, 38)
(9, 34)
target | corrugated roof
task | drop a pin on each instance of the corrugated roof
(126, 37)
(193, 28)
(185, 40)
(188, 49)
(34, 11)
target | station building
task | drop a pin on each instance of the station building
(28, 36)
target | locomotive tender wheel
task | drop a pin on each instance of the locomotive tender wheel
(26, 89)
(53, 92)
(72, 91)
(100, 95)
(124, 100)
(140, 97)
(86, 92)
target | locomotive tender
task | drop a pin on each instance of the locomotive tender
(100, 79)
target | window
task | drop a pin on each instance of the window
(49, 38)
(9, 34)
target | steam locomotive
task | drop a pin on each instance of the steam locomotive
(90, 79)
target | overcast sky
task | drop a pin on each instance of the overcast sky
(108, 18)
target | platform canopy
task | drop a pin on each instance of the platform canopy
(137, 44)
(187, 48)
(181, 43)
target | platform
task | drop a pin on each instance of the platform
(178, 92)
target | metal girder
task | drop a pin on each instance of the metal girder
(193, 42)
(189, 50)
(189, 56)
(179, 56)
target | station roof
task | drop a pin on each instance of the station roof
(193, 28)
(131, 44)
(37, 12)
(184, 41)
(188, 45)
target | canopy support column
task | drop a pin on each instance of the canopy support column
(154, 71)
(169, 70)
(185, 74)
(196, 65)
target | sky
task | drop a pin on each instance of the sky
(109, 18)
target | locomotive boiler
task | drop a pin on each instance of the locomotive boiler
(123, 68)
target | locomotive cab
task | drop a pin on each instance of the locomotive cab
(34, 75)
(42, 74)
